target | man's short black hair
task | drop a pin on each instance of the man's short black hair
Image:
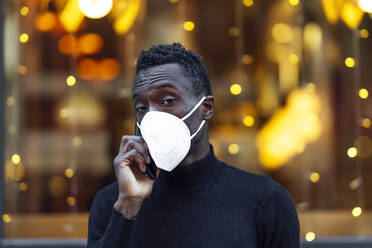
(191, 63)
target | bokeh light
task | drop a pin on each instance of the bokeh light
(366, 5)
(294, 2)
(247, 59)
(23, 38)
(71, 201)
(248, 121)
(46, 21)
(352, 152)
(233, 149)
(364, 33)
(248, 3)
(6, 218)
(363, 93)
(282, 33)
(95, 9)
(349, 62)
(314, 177)
(293, 58)
(310, 236)
(189, 26)
(366, 122)
(24, 11)
(23, 186)
(357, 211)
(235, 89)
(16, 159)
(69, 173)
(71, 80)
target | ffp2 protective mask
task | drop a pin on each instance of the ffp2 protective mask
(167, 137)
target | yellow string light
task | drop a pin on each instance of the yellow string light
(69, 173)
(6, 218)
(349, 62)
(366, 122)
(293, 58)
(314, 177)
(24, 11)
(352, 152)
(16, 159)
(248, 3)
(23, 186)
(71, 80)
(63, 113)
(294, 2)
(247, 59)
(248, 121)
(310, 236)
(71, 201)
(235, 89)
(22, 70)
(363, 93)
(233, 149)
(189, 26)
(23, 38)
(356, 212)
(364, 33)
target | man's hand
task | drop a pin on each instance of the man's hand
(130, 167)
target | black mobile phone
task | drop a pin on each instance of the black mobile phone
(151, 167)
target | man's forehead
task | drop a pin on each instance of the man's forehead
(166, 75)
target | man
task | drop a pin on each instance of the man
(199, 201)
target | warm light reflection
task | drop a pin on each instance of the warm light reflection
(10, 101)
(46, 21)
(126, 19)
(63, 113)
(67, 44)
(311, 87)
(71, 16)
(248, 121)
(364, 33)
(366, 5)
(290, 129)
(6, 218)
(173, 1)
(293, 58)
(294, 2)
(233, 149)
(357, 211)
(314, 177)
(14, 172)
(71, 81)
(248, 3)
(234, 31)
(312, 36)
(310, 236)
(24, 11)
(355, 183)
(349, 62)
(189, 26)
(351, 14)
(57, 186)
(108, 69)
(282, 33)
(16, 159)
(247, 59)
(332, 10)
(23, 186)
(89, 43)
(69, 173)
(95, 9)
(366, 122)
(363, 93)
(235, 89)
(22, 70)
(23, 38)
(71, 201)
(352, 152)
(76, 141)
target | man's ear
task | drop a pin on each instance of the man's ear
(208, 107)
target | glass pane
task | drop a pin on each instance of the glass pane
(290, 80)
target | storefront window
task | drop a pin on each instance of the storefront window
(291, 85)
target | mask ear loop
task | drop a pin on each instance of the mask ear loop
(193, 110)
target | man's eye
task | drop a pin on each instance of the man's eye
(140, 109)
(167, 101)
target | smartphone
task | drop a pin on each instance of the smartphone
(151, 167)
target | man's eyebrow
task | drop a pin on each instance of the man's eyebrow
(155, 86)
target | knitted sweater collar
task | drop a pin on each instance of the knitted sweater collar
(191, 177)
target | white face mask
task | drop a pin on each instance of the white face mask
(167, 137)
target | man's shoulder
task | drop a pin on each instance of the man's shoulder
(248, 184)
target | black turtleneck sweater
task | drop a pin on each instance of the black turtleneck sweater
(204, 204)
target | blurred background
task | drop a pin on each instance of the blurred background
(291, 81)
